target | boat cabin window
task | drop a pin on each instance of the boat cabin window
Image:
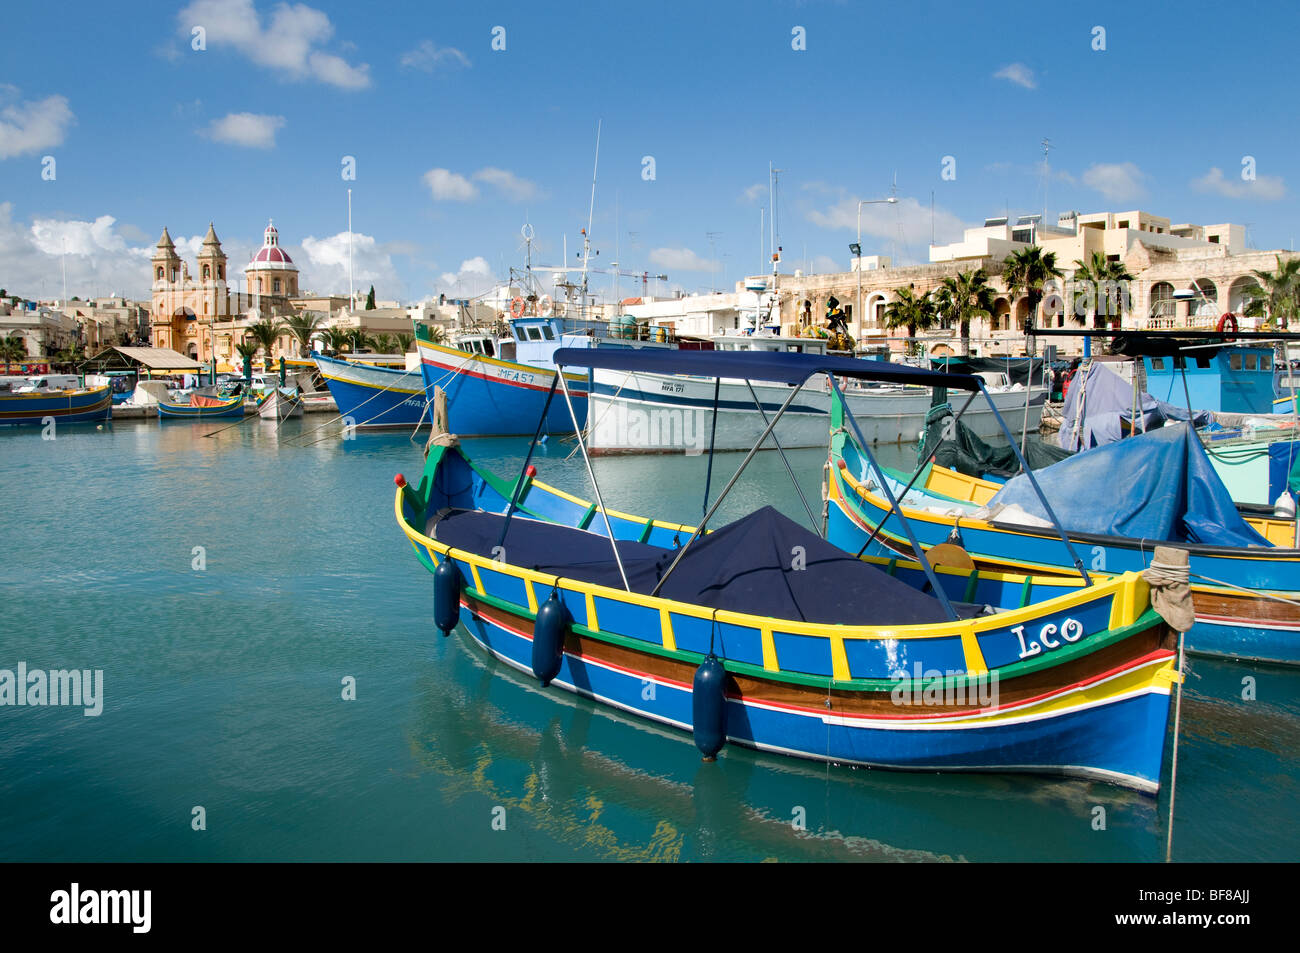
(1234, 361)
(1157, 363)
(534, 334)
(796, 348)
(1252, 362)
(1266, 362)
(488, 349)
(549, 332)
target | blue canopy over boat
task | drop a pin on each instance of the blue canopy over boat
(786, 367)
(1159, 486)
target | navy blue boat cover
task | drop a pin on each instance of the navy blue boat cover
(753, 565)
(784, 367)
(1157, 486)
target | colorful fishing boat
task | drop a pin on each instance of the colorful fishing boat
(764, 634)
(280, 403)
(201, 406)
(1244, 569)
(368, 395)
(70, 406)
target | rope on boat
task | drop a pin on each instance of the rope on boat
(1254, 593)
(1171, 595)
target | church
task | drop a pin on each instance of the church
(200, 316)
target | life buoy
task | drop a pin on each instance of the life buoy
(1228, 318)
(544, 306)
(516, 307)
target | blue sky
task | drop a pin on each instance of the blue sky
(456, 144)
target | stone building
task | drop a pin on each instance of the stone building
(1185, 275)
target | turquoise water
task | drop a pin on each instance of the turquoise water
(223, 689)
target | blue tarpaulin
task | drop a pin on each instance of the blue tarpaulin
(1283, 468)
(1108, 404)
(1157, 486)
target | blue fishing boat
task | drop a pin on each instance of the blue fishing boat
(370, 395)
(1118, 503)
(201, 407)
(763, 634)
(71, 406)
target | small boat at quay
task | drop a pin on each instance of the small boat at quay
(644, 412)
(280, 403)
(65, 406)
(1244, 569)
(764, 634)
(368, 395)
(201, 406)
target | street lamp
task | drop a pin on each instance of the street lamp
(856, 248)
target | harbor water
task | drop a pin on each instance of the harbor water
(274, 688)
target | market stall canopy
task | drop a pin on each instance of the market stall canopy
(156, 359)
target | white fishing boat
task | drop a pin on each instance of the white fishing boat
(280, 403)
(645, 412)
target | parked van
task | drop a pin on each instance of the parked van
(50, 382)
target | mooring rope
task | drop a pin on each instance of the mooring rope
(1256, 593)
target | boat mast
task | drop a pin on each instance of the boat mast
(591, 210)
(352, 298)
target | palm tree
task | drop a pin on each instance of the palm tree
(383, 343)
(303, 327)
(247, 350)
(963, 298)
(13, 349)
(336, 339)
(264, 332)
(404, 342)
(1107, 281)
(1028, 270)
(357, 340)
(1276, 293)
(909, 310)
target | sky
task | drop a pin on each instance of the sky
(464, 121)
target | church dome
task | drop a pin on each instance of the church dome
(271, 256)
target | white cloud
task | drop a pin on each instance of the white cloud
(427, 57)
(289, 42)
(99, 259)
(1118, 181)
(1017, 73)
(448, 186)
(880, 220)
(825, 264)
(1268, 188)
(509, 183)
(27, 128)
(473, 278)
(754, 192)
(252, 130)
(324, 265)
(681, 259)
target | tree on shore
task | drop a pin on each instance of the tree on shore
(303, 327)
(1028, 271)
(910, 310)
(370, 299)
(264, 332)
(964, 298)
(1275, 294)
(1105, 291)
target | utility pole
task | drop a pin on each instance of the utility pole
(1047, 146)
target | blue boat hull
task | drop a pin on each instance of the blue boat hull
(32, 410)
(487, 397)
(369, 396)
(1118, 741)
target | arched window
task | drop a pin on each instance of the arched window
(259, 283)
(160, 272)
(207, 272)
(277, 285)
